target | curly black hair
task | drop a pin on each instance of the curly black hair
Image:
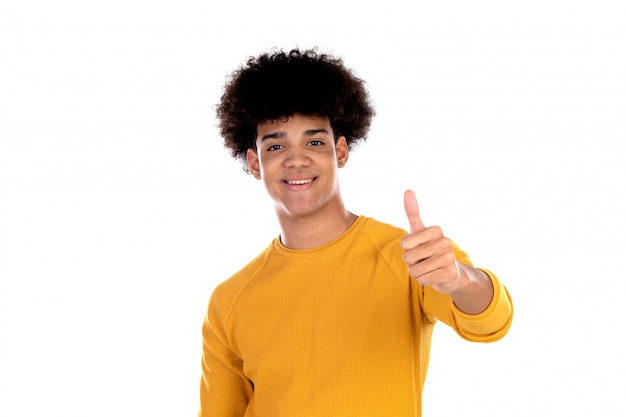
(280, 84)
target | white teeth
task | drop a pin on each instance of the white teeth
(299, 182)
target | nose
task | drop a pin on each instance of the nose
(296, 156)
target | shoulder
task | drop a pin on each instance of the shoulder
(225, 294)
(382, 234)
(385, 238)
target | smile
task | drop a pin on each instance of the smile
(300, 182)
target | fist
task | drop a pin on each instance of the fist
(427, 252)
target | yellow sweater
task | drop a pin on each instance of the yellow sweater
(337, 331)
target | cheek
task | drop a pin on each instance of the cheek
(266, 165)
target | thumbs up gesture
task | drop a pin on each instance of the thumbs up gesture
(428, 253)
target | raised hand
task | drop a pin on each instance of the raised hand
(427, 252)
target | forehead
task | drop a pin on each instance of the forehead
(296, 122)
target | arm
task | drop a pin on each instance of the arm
(470, 300)
(474, 292)
(487, 326)
(224, 388)
(431, 259)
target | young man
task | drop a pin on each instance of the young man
(335, 317)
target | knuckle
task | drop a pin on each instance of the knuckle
(436, 230)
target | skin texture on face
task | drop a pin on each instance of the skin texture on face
(298, 160)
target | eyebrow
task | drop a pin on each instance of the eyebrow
(282, 134)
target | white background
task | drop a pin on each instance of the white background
(120, 210)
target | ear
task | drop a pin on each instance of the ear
(342, 151)
(253, 163)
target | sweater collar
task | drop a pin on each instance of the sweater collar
(321, 250)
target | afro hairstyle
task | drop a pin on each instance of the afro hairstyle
(280, 84)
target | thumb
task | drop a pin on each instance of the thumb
(412, 210)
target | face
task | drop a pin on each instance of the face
(298, 159)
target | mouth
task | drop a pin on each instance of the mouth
(300, 182)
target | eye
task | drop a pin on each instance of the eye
(316, 142)
(274, 147)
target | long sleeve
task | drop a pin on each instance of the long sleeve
(224, 389)
(488, 326)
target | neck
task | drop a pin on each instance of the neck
(313, 231)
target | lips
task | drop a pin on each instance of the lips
(299, 182)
